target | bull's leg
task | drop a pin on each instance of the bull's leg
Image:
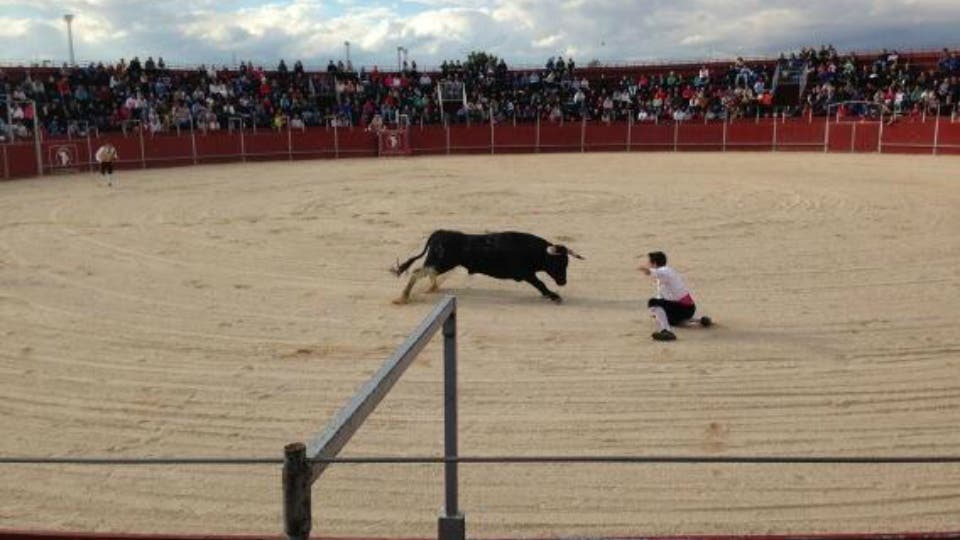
(434, 286)
(535, 281)
(414, 277)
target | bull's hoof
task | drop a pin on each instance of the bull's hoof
(401, 301)
(556, 299)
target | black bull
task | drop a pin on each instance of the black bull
(506, 255)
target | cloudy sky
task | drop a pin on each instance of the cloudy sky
(525, 32)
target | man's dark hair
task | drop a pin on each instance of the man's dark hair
(658, 258)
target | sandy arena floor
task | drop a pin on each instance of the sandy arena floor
(228, 310)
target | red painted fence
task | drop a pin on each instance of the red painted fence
(139, 151)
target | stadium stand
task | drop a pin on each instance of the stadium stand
(70, 101)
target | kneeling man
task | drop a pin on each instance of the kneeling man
(674, 304)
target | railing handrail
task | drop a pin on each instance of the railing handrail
(504, 459)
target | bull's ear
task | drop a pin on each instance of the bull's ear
(555, 250)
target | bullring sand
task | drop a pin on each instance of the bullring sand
(227, 310)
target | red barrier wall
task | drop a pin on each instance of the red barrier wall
(219, 147)
(312, 144)
(757, 137)
(800, 136)
(560, 137)
(912, 138)
(428, 140)
(357, 142)
(267, 145)
(948, 139)
(470, 139)
(19, 160)
(168, 151)
(699, 137)
(651, 137)
(600, 137)
(509, 139)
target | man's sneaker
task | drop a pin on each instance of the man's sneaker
(664, 335)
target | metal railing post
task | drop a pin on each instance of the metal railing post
(723, 146)
(826, 132)
(143, 149)
(289, 140)
(296, 492)
(336, 140)
(629, 132)
(583, 134)
(451, 525)
(90, 159)
(537, 147)
(676, 134)
(773, 147)
(243, 143)
(193, 140)
(6, 167)
(853, 137)
(936, 132)
(880, 135)
(491, 133)
(446, 132)
(37, 146)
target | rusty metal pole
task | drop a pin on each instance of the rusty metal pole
(296, 492)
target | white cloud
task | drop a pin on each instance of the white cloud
(521, 31)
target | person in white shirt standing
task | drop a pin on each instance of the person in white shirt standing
(674, 303)
(105, 156)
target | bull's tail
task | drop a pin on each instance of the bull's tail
(401, 269)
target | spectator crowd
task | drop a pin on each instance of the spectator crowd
(148, 95)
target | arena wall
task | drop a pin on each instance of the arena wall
(138, 150)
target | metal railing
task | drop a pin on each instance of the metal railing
(304, 463)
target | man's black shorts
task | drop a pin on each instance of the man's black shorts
(676, 312)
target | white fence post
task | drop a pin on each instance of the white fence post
(773, 147)
(826, 132)
(853, 137)
(723, 147)
(537, 148)
(90, 159)
(193, 140)
(243, 142)
(583, 134)
(37, 145)
(336, 140)
(491, 133)
(143, 149)
(936, 133)
(880, 135)
(289, 140)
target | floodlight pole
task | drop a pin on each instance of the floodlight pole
(68, 18)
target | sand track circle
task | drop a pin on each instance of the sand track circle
(228, 310)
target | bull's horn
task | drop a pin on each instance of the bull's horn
(552, 250)
(574, 254)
